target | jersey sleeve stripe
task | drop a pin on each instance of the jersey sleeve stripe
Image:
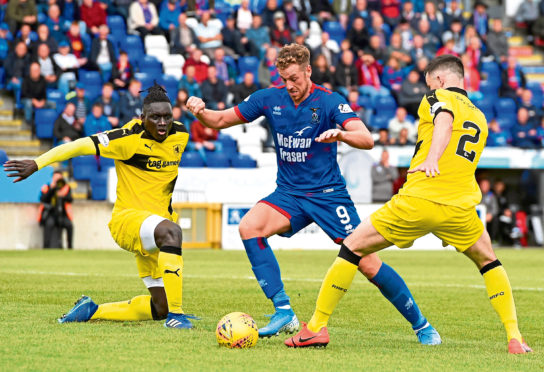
(348, 120)
(95, 141)
(285, 213)
(440, 109)
(237, 111)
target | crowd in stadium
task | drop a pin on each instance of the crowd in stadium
(87, 60)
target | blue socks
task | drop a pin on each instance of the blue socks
(395, 290)
(266, 270)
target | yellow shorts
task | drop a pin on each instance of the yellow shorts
(125, 230)
(405, 218)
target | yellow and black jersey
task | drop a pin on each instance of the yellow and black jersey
(146, 169)
(456, 185)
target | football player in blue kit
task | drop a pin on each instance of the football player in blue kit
(306, 121)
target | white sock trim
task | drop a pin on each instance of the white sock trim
(424, 326)
(283, 307)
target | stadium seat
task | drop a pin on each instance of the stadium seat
(217, 160)
(231, 62)
(243, 161)
(132, 44)
(157, 45)
(150, 65)
(505, 107)
(490, 69)
(365, 102)
(335, 30)
(380, 121)
(538, 94)
(506, 122)
(170, 83)
(145, 79)
(191, 160)
(104, 164)
(84, 167)
(257, 6)
(173, 65)
(230, 147)
(99, 186)
(56, 96)
(385, 106)
(45, 120)
(117, 25)
(489, 89)
(249, 64)
(3, 156)
(486, 106)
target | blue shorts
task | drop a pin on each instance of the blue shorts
(334, 212)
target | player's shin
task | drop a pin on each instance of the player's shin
(334, 286)
(171, 266)
(267, 271)
(139, 308)
(393, 287)
(500, 295)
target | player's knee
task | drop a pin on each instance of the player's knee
(249, 229)
(370, 265)
(168, 233)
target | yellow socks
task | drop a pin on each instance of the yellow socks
(500, 295)
(139, 308)
(171, 265)
(334, 286)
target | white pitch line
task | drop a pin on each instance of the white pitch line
(309, 280)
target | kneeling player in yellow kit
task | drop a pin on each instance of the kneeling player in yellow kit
(438, 197)
(147, 153)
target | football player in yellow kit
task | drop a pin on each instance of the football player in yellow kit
(438, 197)
(147, 152)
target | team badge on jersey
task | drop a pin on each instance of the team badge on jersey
(344, 108)
(315, 117)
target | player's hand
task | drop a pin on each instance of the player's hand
(20, 168)
(429, 167)
(196, 105)
(329, 136)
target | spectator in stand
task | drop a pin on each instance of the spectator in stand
(448, 47)
(383, 175)
(376, 49)
(360, 10)
(474, 50)
(183, 37)
(186, 117)
(244, 17)
(322, 10)
(77, 44)
(214, 90)
(67, 128)
(122, 7)
(399, 122)
(236, 43)
(110, 106)
(103, 53)
(204, 139)
(497, 42)
(380, 29)
(189, 82)
(4, 42)
(411, 92)
(472, 79)
(321, 73)
(169, 13)
(26, 35)
(408, 13)
(383, 138)
(527, 14)
(431, 41)
(244, 89)
(421, 65)
(406, 34)
(268, 73)
(396, 51)
(512, 79)
(392, 76)
(96, 121)
(453, 12)
(19, 12)
(201, 67)
(419, 50)
(280, 34)
(16, 66)
(93, 13)
(81, 102)
(268, 13)
(43, 38)
(70, 10)
(358, 35)
(122, 72)
(535, 113)
(434, 17)
(68, 65)
(455, 33)
(259, 34)
(131, 102)
(33, 93)
(209, 34)
(480, 19)
(291, 15)
(403, 139)
(523, 133)
(345, 74)
(498, 137)
(49, 68)
(506, 216)
(328, 48)
(361, 112)
(224, 71)
(56, 23)
(369, 77)
(143, 19)
(492, 208)
(469, 33)
(390, 9)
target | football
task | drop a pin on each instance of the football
(237, 331)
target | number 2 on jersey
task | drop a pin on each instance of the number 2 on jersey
(468, 138)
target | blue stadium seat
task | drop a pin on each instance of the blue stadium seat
(170, 83)
(335, 30)
(243, 161)
(248, 64)
(257, 6)
(489, 89)
(56, 96)
(385, 106)
(145, 79)
(506, 122)
(538, 94)
(45, 120)
(231, 62)
(104, 164)
(191, 160)
(365, 102)
(132, 44)
(486, 106)
(380, 121)
(99, 186)
(3, 156)
(230, 147)
(116, 24)
(89, 77)
(491, 69)
(217, 160)
(87, 41)
(115, 40)
(151, 65)
(505, 107)
(84, 167)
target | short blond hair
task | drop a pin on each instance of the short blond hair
(293, 54)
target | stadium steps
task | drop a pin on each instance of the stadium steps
(530, 59)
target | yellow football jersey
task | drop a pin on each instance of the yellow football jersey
(146, 169)
(456, 185)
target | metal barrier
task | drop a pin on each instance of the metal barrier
(200, 223)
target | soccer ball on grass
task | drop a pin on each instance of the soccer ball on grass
(237, 331)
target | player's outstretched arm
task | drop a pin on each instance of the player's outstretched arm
(443, 126)
(355, 134)
(23, 169)
(211, 118)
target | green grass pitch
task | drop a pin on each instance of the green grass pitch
(366, 332)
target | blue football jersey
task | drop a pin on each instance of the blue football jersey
(304, 165)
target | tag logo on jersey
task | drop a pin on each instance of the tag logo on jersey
(155, 163)
(436, 106)
(277, 110)
(177, 149)
(315, 117)
(299, 132)
(103, 139)
(344, 108)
